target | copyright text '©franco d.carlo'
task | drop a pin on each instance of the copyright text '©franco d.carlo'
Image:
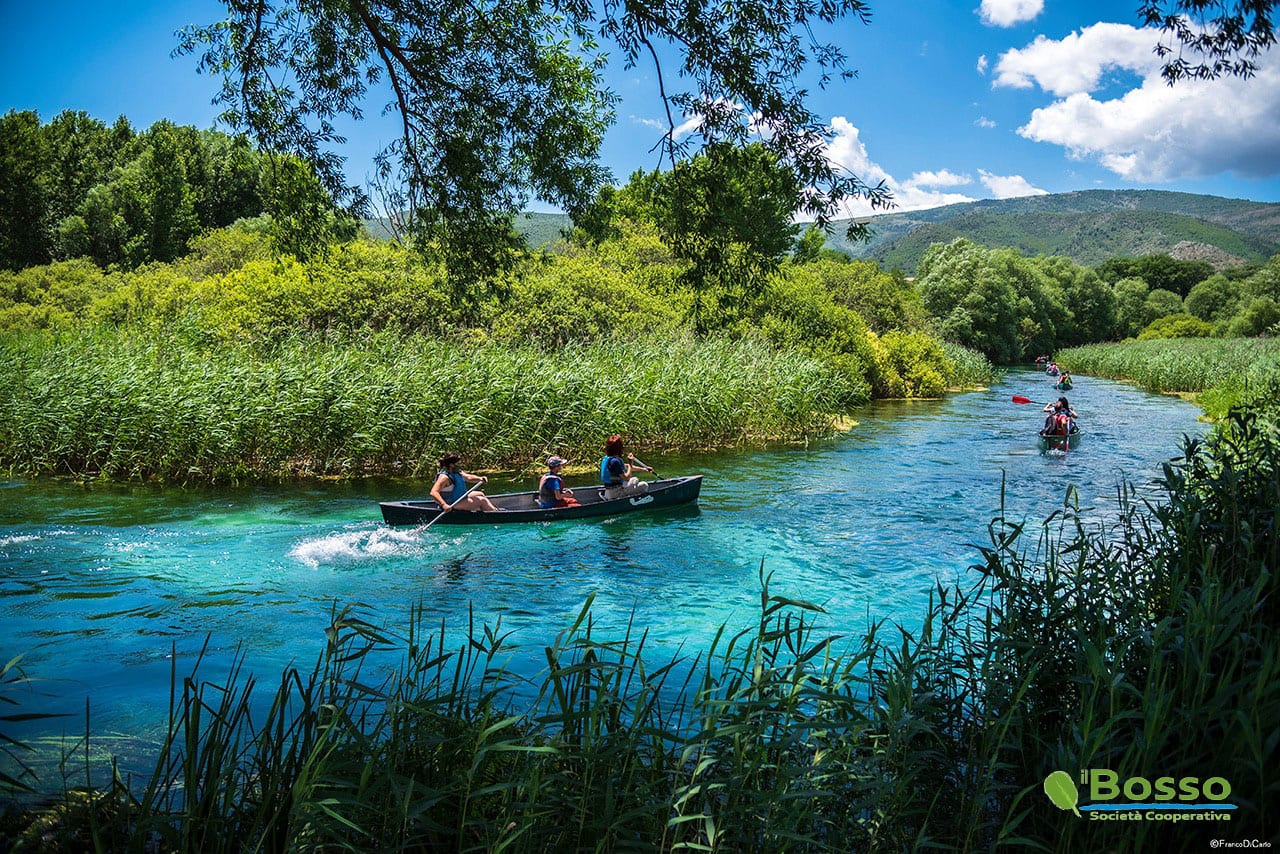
(1241, 843)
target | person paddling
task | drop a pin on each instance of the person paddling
(452, 483)
(616, 472)
(1061, 420)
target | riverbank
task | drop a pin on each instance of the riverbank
(134, 405)
(1214, 373)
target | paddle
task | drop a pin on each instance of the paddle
(450, 507)
(1017, 398)
(640, 463)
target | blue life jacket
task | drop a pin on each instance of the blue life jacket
(459, 485)
(611, 471)
(547, 488)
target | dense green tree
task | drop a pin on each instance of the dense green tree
(1215, 299)
(1259, 316)
(1131, 306)
(726, 213)
(82, 150)
(1042, 310)
(1161, 303)
(78, 188)
(1093, 308)
(1158, 271)
(1266, 281)
(24, 195)
(809, 246)
(168, 203)
(885, 300)
(501, 101)
(1180, 325)
(974, 302)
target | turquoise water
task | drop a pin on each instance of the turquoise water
(100, 584)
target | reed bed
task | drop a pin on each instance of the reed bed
(141, 406)
(1150, 649)
(1178, 364)
(968, 368)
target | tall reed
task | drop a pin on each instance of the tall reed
(125, 405)
(1177, 364)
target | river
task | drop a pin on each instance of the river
(100, 583)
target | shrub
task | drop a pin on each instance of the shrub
(1177, 326)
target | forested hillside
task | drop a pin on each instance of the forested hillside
(1088, 227)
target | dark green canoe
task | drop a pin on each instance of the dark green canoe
(1054, 442)
(523, 506)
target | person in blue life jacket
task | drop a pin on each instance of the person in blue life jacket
(452, 483)
(551, 489)
(616, 471)
(1061, 420)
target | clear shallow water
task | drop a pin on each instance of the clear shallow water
(99, 584)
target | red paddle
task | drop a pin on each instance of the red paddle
(1017, 398)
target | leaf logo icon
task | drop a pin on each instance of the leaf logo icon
(1061, 789)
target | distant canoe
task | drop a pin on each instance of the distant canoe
(1062, 386)
(523, 506)
(1054, 442)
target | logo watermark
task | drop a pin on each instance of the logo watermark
(1170, 799)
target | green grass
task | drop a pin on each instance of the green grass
(129, 405)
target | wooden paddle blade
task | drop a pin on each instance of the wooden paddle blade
(1017, 398)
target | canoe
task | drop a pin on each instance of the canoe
(523, 506)
(1062, 386)
(1052, 442)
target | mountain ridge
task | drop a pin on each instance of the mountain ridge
(1087, 226)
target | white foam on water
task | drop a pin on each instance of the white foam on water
(18, 538)
(347, 546)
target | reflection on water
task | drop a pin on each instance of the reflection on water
(101, 585)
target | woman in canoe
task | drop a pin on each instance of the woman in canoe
(1064, 382)
(452, 483)
(616, 472)
(1061, 420)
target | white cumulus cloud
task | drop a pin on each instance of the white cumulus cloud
(1006, 13)
(1152, 132)
(1076, 63)
(1009, 186)
(941, 178)
(846, 150)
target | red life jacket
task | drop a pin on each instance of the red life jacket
(1061, 424)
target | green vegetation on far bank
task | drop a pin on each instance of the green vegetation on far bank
(1219, 372)
(368, 358)
(139, 406)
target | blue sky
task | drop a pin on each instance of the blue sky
(953, 101)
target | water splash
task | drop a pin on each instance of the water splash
(359, 545)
